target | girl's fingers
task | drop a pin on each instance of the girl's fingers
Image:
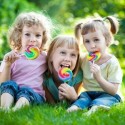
(62, 89)
(61, 95)
(11, 57)
(94, 68)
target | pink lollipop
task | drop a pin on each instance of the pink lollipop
(65, 74)
(32, 52)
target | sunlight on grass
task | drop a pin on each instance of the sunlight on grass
(57, 115)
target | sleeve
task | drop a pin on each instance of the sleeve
(115, 73)
(77, 79)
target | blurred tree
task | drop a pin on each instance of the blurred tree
(58, 10)
(83, 8)
(65, 14)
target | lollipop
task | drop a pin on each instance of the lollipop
(32, 52)
(94, 56)
(65, 74)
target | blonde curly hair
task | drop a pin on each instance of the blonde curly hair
(28, 19)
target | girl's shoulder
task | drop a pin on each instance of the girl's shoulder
(44, 53)
(112, 63)
(113, 59)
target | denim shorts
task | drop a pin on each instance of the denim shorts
(17, 92)
(91, 98)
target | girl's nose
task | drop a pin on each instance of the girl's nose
(92, 44)
(67, 58)
(32, 39)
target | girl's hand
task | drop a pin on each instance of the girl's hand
(95, 69)
(10, 58)
(61, 97)
(67, 92)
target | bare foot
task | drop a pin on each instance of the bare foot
(73, 108)
(95, 108)
(20, 103)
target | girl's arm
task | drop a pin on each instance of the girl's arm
(5, 74)
(107, 86)
(9, 58)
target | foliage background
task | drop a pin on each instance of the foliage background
(65, 14)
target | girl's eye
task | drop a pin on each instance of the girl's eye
(38, 35)
(27, 34)
(73, 55)
(62, 53)
(96, 40)
(86, 41)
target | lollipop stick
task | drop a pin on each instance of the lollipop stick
(92, 73)
(92, 57)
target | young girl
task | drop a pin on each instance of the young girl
(63, 52)
(102, 89)
(21, 79)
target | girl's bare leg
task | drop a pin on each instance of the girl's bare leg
(73, 108)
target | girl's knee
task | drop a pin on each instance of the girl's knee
(9, 87)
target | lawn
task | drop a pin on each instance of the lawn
(56, 115)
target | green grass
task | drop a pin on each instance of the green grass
(57, 115)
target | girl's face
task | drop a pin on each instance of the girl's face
(64, 57)
(31, 36)
(94, 41)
